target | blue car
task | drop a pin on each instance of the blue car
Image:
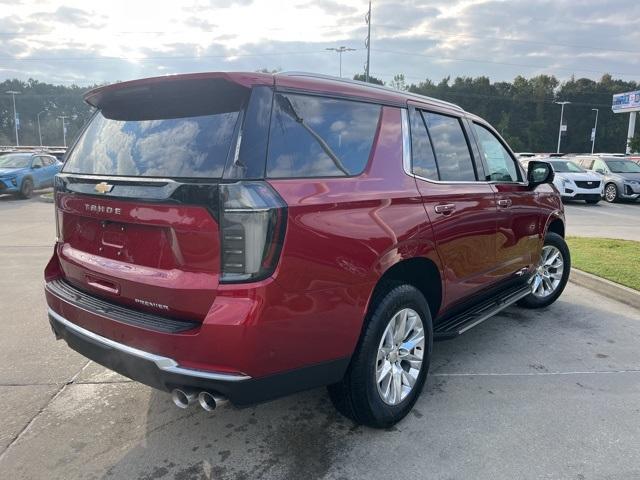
(22, 173)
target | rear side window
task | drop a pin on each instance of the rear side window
(170, 129)
(451, 147)
(423, 159)
(314, 136)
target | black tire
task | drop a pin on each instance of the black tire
(593, 202)
(26, 189)
(357, 396)
(531, 300)
(611, 193)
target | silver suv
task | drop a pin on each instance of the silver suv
(621, 176)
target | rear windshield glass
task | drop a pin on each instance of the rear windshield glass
(173, 130)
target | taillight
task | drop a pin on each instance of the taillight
(253, 219)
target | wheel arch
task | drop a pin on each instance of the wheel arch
(421, 272)
(555, 224)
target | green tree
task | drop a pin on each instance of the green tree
(360, 77)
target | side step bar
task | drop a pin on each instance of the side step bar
(478, 313)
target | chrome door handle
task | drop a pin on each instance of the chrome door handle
(445, 208)
(504, 203)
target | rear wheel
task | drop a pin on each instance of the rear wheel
(552, 273)
(26, 189)
(611, 193)
(389, 368)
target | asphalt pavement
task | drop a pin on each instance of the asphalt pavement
(610, 220)
(547, 394)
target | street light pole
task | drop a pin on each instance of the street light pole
(39, 131)
(13, 94)
(595, 128)
(64, 129)
(560, 127)
(340, 51)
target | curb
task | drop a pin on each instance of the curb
(605, 287)
(44, 198)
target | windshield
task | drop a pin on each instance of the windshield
(623, 166)
(15, 160)
(565, 167)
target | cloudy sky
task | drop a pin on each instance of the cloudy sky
(86, 42)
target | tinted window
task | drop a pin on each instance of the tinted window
(37, 162)
(502, 167)
(322, 137)
(451, 148)
(174, 147)
(422, 157)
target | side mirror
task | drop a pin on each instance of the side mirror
(37, 166)
(600, 171)
(539, 173)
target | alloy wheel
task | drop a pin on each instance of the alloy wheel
(610, 193)
(400, 356)
(548, 276)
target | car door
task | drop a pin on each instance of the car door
(38, 171)
(461, 209)
(517, 239)
(50, 168)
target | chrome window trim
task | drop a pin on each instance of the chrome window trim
(165, 364)
(407, 161)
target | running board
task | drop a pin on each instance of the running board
(478, 313)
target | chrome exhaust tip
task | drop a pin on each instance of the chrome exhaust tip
(209, 401)
(182, 398)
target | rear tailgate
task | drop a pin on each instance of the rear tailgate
(158, 257)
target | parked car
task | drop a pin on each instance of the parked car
(621, 176)
(21, 173)
(244, 236)
(574, 182)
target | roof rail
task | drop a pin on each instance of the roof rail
(372, 86)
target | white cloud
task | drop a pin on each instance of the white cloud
(87, 42)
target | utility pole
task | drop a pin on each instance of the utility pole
(367, 44)
(560, 128)
(340, 51)
(64, 129)
(595, 127)
(39, 131)
(13, 93)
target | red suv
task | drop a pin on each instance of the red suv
(244, 236)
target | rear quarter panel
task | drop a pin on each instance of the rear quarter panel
(342, 235)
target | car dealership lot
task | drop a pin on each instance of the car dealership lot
(610, 220)
(553, 393)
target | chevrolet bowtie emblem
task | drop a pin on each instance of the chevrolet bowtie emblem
(103, 187)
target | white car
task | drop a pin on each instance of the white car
(574, 182)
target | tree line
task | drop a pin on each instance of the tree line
(523, 110)
(525, 114)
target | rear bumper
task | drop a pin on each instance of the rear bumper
(165, 373)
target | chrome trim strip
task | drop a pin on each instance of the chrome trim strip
(406, 142)
(165, 364)
(116, 178)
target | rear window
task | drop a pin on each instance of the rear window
(314, 136)
(181, 130)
